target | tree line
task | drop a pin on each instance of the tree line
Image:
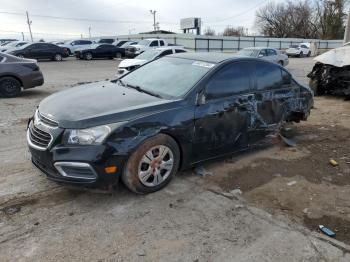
(324, 19)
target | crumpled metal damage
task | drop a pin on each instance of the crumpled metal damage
(331, 73)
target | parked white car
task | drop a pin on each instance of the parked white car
(128, 65)
(73, 45)
(12, 46)
(299, 50)
(266, 53)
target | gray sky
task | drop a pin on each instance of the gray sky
(112, 17)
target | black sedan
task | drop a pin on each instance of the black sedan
(41, 51)
(17, 73)
(167, 115)
(97, 51)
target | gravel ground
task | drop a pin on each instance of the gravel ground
(286, 193)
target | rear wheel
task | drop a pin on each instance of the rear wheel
(118, 55)
(10, 87)
(152, 165)
(301, 54)
(88, 56)
(309, 54)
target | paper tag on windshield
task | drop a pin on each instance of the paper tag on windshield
(203, 64)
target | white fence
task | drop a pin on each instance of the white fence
(232, 44)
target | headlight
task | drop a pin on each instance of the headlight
(89, 136)
(137, 49)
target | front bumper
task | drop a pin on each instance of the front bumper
(77, 165)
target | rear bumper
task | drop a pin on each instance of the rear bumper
(36, 78)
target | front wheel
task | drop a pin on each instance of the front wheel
(152, 165)
(57, 57)
(118, 55)
(301, 54)
(10, 87)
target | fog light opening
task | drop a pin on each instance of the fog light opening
(111, 169)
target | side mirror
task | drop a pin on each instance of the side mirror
(71, 44)
(200, 98)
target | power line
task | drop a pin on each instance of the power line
(239, 14)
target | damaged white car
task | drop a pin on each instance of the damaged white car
(331, 73)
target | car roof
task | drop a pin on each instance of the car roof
(211, 57)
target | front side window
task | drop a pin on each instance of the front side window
(161, 43)
(263, 52)
(268, 76)
(154, 43)
(169, 76)
(231, 80)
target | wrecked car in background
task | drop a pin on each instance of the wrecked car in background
(331, 73)
(169, 114)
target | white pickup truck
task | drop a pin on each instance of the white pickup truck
(146, 44)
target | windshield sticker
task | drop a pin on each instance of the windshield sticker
(203, 64)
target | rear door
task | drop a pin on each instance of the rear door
(223, 116)
(272, 93)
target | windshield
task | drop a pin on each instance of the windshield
(24, 46)
(148, 55)
(248, 52)
(168, 77)
(143, 42)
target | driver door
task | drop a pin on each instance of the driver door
(223, 115)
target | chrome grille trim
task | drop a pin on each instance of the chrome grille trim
(47, 121)
(78, 175)
(38, 139)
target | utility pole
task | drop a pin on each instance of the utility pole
(153, 12)
(29, 24)
(22, 36)
(347, 30)
(89, 31)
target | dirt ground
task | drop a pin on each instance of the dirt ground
(195, 218)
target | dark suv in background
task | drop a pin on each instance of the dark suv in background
(41, 51)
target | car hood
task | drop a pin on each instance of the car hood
(100, 103)
(337, 57)
(138, 46)
(131, 62)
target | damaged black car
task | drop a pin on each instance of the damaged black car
(167, 115)
(331, 73)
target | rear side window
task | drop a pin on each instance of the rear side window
(179, 51)
(271, 52)
(268, 76)
(166, 52)
(231, 80)
(84, 42)
(154, 43)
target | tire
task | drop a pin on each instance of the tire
(301, 54)
(280, 63)
(10, 87)
(153, 169)
(88, 56)
(309, 54)
(69, 52)
(118, 55)
(57, 57)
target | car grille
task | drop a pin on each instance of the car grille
(47, 121)
(38, 137)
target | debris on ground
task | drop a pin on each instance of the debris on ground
(333, 162)
(236, 191)
(201, 171)
(288, 141)
(11, 210)
(326, 231)
(291, 183)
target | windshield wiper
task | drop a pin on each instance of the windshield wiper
(120, 81)
(138, 88)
